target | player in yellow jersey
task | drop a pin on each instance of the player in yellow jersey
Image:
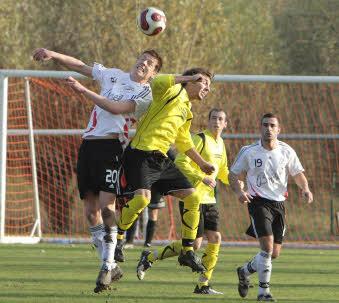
(166, 122)
(211, 147)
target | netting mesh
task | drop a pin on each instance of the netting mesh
(303, 109)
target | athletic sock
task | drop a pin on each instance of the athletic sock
(209, 260)
(150, 229)
(251, 266)
(97, 237)
(171, 250)
(131, 211)
(264, 272)
(190, 221)
(109, 243)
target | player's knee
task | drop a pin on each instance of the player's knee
(192, 201)
(93, 216)
(142, 201)
(107, 213)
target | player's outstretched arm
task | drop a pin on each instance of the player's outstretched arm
(43, 54)
(238, 187)
(206, 167)
(112, 107)
(186, 79)
(302, 183)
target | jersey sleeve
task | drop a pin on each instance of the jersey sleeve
(184, 163)
(100, 72)
(241, 163)
(184, 141)
(142, 102)
(294, 166)
(160, 85)
(223, 169)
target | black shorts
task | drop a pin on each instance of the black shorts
(98, 166)
(209, 217)
(267, 218)
(145, 169)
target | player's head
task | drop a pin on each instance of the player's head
(147, 66)
(199, 89)
(270, 127)
(217, 121)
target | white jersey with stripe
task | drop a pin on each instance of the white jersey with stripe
(267, 170)
(116, 85)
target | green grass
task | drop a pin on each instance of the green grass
(66, 273)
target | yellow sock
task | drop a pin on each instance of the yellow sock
(171, 250)
(190, 220)
(131, 211)
(120, 237)
(209, 260)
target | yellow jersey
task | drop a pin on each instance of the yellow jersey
(167, 120)
(211, 150)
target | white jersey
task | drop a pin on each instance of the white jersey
(267, 170)
(116, 85)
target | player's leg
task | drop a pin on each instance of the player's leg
(88, 195)
(130, 234)
(210, 216)
(93, 215)
(141, 171)
(272, 246)
(105, 173)
(148, 257)
(261, 227)
(157, 202)
(190, 222)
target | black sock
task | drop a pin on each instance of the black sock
(150, 230)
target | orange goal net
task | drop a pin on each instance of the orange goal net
(309, 117)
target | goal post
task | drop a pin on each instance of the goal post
(41, 125)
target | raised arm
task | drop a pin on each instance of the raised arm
(43, 54)
(185, 79)
(112, 107)
(302, 183)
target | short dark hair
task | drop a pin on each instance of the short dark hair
(155, 55)
(197, 70)
(218, 110)
(269, 115)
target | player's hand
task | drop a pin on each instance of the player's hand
(75, 84)
(241, 184)
(207, 168)
(209, 182)
(308, 196)
(244, 197)
(42, 54)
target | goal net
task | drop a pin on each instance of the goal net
(42, 122)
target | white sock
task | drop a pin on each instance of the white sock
(251, 266)
(264, 272)
(109, 243)
(97, 237)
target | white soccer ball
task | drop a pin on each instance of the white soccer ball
(151, 21)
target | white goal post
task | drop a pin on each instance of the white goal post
(36, 233)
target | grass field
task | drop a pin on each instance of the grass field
(66, 273)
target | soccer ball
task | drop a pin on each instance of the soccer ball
(151, 21)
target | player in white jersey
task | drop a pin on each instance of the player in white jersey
(101, 150)
(267, 165)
